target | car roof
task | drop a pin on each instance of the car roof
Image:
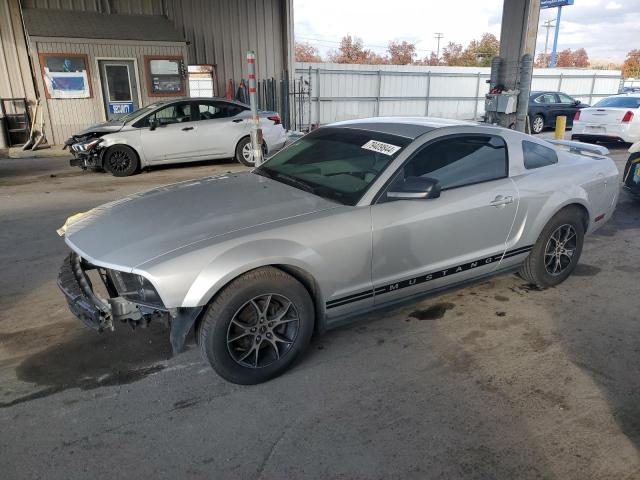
(409, 127)
(214, 99)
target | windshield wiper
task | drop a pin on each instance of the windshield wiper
(294, 182)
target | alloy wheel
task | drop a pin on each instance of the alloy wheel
(262, 330)
(558, 254)
(538, 124)
(119, 161)
(247, 153)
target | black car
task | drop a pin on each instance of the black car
(631, 177)
(544, 107)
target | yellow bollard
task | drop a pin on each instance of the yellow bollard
(561, 124)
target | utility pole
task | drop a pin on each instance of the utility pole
(438, 37)
(548, 25)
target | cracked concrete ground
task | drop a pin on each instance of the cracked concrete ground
(495, 381)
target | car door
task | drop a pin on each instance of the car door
(425, 244)
(568, 107)
(220, 126)
(172, 137)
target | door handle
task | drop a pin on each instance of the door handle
(186, 129)
(501, 201)
(237, 120)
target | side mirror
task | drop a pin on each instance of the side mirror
(577, 102)
(416, 188)
(153, 124)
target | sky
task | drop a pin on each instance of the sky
(607, 29)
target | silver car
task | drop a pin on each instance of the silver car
(178, 131)
(353, 217)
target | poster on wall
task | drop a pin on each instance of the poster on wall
(165, 76)
(66, 76)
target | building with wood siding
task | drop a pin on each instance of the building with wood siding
(77, 56)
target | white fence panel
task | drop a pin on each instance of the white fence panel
(343, 92)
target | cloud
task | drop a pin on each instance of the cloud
(606, 29)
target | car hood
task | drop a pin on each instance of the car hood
(131, 231)
(104, 127)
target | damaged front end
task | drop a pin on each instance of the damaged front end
(131, 299)
(87, 150)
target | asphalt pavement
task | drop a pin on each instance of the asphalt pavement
(493, 381)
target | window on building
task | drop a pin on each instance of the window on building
(66, 75)
(536, 156)
(202, 81)
(460, 160)
(165, 76)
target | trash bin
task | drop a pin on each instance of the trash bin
(4, 142)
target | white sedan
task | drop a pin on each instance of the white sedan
(615, 118)
(178, 131)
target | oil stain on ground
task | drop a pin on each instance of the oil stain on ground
(434, 312)
(90, 360)
(583, 270)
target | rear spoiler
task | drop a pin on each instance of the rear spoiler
(579, 147)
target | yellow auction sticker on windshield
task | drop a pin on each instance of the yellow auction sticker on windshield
(381, 147)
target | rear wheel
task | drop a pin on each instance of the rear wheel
(557, 251)
(537, 124)
(244, 152)
(256, 326)
(121, 161)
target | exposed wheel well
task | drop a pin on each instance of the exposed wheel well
(264, 142)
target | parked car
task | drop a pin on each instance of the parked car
(355, 216)
(184, 130)
(633, 89)
(545, 107)
(615, 118)
(631, 177)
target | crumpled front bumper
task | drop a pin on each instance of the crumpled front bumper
(99, 314)
(78, 291)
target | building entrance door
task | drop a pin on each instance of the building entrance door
(119, 87)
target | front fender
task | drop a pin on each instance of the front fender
(218, 268)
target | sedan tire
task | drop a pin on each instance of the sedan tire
(121, 161)
(537, 124)
(557, 250)
(244, 153)
(256, 326)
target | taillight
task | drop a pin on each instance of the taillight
(576, 116)
(275, 119)
(627, 117)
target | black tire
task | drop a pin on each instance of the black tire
(537, 124)
(233, 314)
(241, 153)
(121, 161)
(535, 268)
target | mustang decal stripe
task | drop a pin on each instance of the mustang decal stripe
(426, 277)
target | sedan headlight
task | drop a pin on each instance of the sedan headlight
(135, 288)
(87, 146)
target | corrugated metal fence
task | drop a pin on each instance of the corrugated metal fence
(342, 92)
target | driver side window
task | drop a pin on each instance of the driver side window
(458, 161)
(176, 113)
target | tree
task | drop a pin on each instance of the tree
(452, 54)
(401, 53)
(431, 60)
(306, 52)
(483, 50)
(569, 58)
(351, 50)
(631, 65)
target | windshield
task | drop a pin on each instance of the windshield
(335, 163)
(141, 111)
(619, 102)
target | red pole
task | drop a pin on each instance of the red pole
(256, 132)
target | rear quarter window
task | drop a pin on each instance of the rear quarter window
(537, 156)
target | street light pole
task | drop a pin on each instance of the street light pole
(555, 39)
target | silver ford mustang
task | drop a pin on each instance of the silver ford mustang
(355, 216)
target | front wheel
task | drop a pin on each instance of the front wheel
(557, 250)
(121, 161)
(256, 326)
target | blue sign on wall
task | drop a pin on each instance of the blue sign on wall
(120, 108)
(555, 3)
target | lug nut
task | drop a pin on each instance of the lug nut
(268, 335)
